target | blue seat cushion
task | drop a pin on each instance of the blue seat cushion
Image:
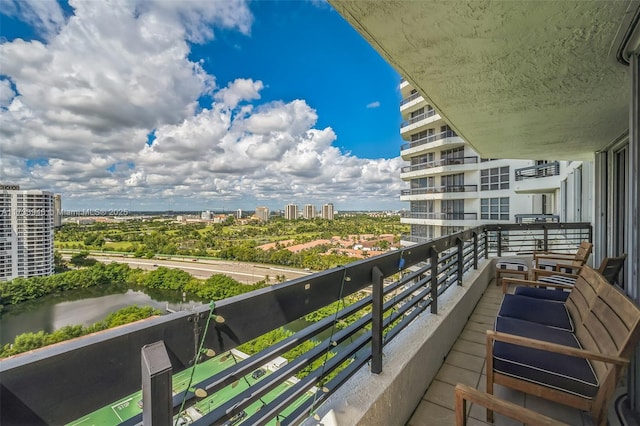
(540, 311)
(542, 293)
(563, 372)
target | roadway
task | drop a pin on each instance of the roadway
(244, 272)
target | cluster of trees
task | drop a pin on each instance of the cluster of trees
(30, 341)
(99, 274)
(145, 239)
(216, 287)
(22, 289)
(312, 258)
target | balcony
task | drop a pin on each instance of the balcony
(428, 139)
(410, 98)
(537, 218)
(541, 178)
(439, 216)
(440, 163)
(440, 284)
(418, 118)
(446, 189)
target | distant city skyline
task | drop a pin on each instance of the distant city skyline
(156, 105)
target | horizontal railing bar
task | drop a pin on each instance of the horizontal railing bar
(249, 396)
(302, 411)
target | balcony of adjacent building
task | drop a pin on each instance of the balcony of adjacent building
(439, 219)
(447, 138)
(374, 361)
(411, 102)
(538, 179)
(439, 192)
(419, 121)
(446, 165)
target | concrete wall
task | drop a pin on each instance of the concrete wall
(410, 362)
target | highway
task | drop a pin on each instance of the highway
(246, 273)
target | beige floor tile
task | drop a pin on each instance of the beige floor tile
(488, 306)
(430, 414)
(482, 319)
(441, 393)
(463, 360)
(453, 375)
(481, 328)
(487, 312)
(471, 348)
(554, 410)
(474, 336)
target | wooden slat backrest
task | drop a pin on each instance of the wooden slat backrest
(612, 325)
(583, 294)
(584, 251)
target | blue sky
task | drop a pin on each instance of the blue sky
(259, 103)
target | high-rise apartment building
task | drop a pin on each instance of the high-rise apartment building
(327, 211)
(450, 187)
(57, 211)
(309, 211)
(262, 213)
(238, 214)
(26, 232)
(291, 212)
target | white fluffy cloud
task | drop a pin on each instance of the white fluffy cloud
(86, 99)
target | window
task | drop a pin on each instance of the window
(452, 156)
(421, 135)
(494, 208)
(425, 182)
(452, 206)
(417, 112)
(496, 178)
(453, 182)
(423, 231)
(448, 230)
(423, 206)
(421, 159)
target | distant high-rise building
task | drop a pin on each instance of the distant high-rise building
(262, 213)
(26, 232)
(206, 215)
(309, 211)
(291, 212)
(57, 211)
(239, 214)
(327, 211)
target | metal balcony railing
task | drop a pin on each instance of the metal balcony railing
(439, 189)
(64, 382)
(539, 171)
(439, 216)
(537, 218)
(440, 163)
(429, 139)
(410, 98)
(419, 117)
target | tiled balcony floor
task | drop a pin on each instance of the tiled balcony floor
(466, 364)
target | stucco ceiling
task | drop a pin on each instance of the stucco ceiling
(516, 79)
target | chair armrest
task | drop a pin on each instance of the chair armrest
(529, 283)
(465, 393)
(552, 347)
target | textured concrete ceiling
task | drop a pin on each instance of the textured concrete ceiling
(516, 79)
